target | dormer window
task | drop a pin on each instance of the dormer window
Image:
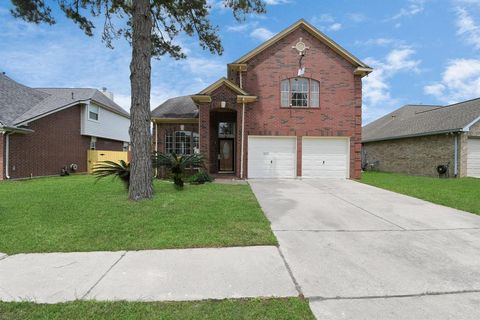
(93, 112)
(300, 93)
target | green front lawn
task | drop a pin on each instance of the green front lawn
(463, 194)
(292, 308)
(77, 213)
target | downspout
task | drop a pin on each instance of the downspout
(241, 84)
(455, 167)
(156, 146)
(7, 150)
(243, 138)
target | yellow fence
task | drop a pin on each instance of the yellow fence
(95, 156)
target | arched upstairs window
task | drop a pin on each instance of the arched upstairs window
(300, 93)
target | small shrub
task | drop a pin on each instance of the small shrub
(177, 165)
(200, 178)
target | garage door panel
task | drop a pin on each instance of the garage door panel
(473, 158)
(324, 158)
(271, 157)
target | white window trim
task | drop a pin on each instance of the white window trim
(309, 93)
(98, 113)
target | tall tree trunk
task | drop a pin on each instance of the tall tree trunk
(141, 174)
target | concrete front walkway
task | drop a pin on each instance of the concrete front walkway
(150, 275)
(359, 252)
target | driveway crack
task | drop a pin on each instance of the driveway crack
(369, 212)
(290, 272)
(104, 274)
(413, 295)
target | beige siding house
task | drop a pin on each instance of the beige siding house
(416, 139)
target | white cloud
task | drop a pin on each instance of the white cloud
(262, 34)
(356, 17)
(335, 27)
(460, 81)
(326, 22)
(413, 8)
(276, 2)
(467, 27)
(377, 98)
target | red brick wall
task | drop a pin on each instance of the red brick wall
(210, 114)
(339, 113)
(55, 143)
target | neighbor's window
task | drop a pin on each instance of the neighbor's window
(300, 93)
(93, 112)
(182, 142)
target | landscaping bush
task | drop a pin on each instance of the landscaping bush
(200, 178)
(177, 165)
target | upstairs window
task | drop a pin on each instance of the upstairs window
(93, 112)
(300, 93)
(182, 142)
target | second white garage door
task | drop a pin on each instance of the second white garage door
(473, 158)
(325, 157)
(271, 157)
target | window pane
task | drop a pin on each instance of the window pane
(284, 93)
(314, 93)
(168, 142)
(299, 92)
(226, 130)
(92, 112)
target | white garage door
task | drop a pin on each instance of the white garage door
(325, 157)
(473, 158)
(271, 157)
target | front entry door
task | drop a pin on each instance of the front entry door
(225, 155)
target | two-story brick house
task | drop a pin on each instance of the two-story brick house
(289, 108)
(43, 130)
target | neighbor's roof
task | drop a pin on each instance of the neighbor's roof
(421, 120)
(19, 103)
(178, 108)
(313, 31)
(16, 99)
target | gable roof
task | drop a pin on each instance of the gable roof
(19, 103)
(176, 108)
(420, 120)
(313, 31)
(223, 81)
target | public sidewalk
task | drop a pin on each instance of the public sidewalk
(149, 275)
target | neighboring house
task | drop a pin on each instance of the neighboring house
(415, 139)
(43, 130)
(289, 108)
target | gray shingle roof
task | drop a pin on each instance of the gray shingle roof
(19, 103)
(418, 120)
(178, 107)
(16, 99)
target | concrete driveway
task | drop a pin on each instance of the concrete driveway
(359, 252)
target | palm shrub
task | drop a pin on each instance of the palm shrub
(178, 164)
(121, 170)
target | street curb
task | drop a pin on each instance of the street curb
(3, 256)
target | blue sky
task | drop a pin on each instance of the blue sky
(423, 51)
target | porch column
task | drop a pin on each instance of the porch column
(204, 132)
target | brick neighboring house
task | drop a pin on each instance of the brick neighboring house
(43, 130)
(415, 139)
(289, 108)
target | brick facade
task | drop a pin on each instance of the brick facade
(339, 113)
(415, 156)
(56, 142)
(421, 155)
